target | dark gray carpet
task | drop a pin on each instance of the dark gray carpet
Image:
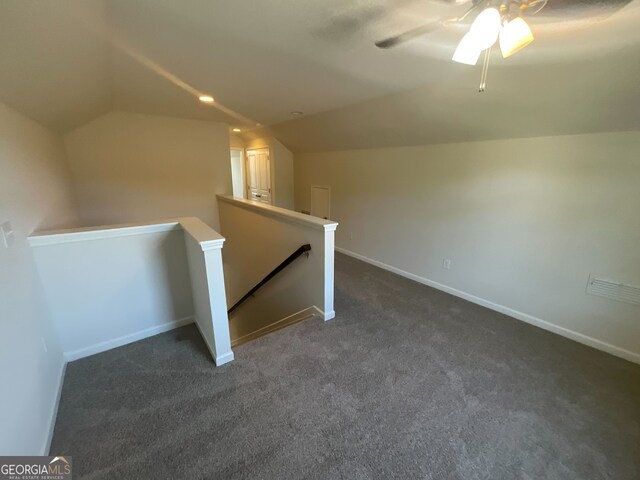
(406, 382)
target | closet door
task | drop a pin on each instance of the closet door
(320, 201)
(259, 175)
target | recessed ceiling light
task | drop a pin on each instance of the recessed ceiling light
(237, 130)
(206, 99)
(296, 113)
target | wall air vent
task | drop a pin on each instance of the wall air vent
(613, 290)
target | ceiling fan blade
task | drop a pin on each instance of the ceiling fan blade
(427, 28)
(413, 33)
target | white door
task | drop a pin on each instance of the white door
(259, 175)
(320, 201)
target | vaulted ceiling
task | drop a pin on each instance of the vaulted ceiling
(65, 62)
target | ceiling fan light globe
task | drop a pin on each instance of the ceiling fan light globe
(467, 51)
(514, 36)
(486, 28)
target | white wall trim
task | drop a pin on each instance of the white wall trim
(207, 237)
(125, 339)
(218, 359)
(303, 314)
(54, 410)
(97, 233)
(226, 358)
(281, 213)
(211, 245)
(551, 327)
(326, 315)
(202, 233)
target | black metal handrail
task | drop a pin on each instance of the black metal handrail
(274, 272)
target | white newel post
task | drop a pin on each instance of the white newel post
(209, 299)
(329, 239)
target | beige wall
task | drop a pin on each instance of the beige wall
(104, 289)
(283, 171)
(236, 140)
(132, 168)
(524, 221)
(34, 194)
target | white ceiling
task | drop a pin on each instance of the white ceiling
(52, 69)
(521, 101)
(68, 61)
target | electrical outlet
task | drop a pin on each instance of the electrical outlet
(446, 264)
(350, 235)
(44, 345)
(7, 234)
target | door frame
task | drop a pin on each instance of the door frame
(243, 166)
(326, 187)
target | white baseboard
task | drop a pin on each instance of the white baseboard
(218, 359)
(279, 324)
(226, 358)
(551, 327)
(326, 315)
(125, 339)
(54, 410)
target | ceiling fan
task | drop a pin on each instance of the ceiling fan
(495, 19)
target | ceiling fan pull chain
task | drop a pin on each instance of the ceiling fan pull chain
(485, 70)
